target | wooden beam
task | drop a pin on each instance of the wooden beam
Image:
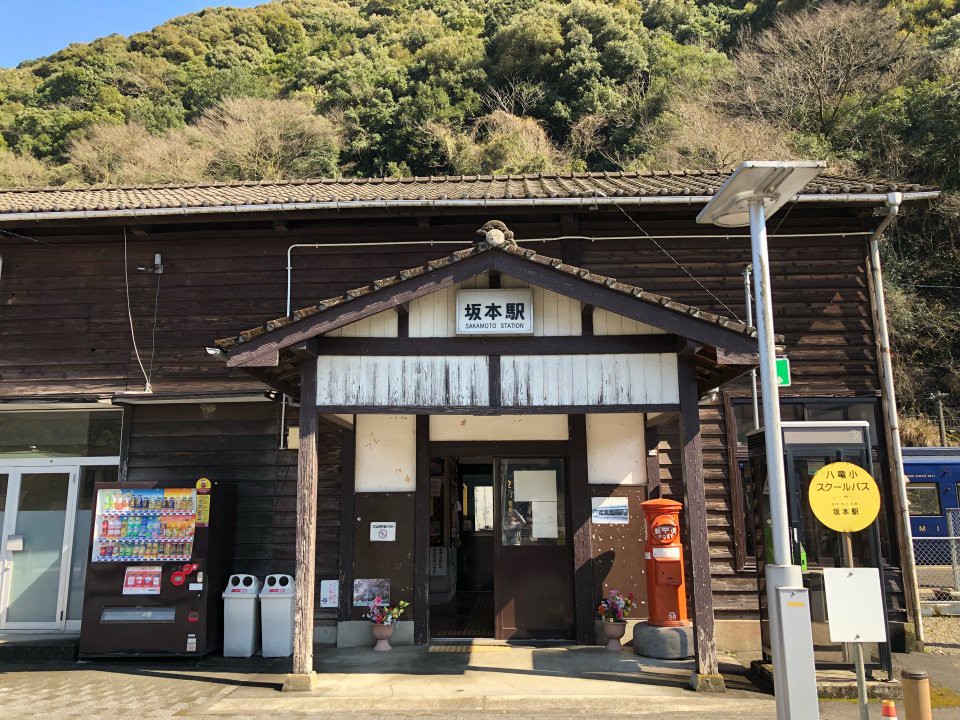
(695, 512)
(125, 426)
(739, 509)
(339, 419)
(348, 468)
(651, 437)
(547, 345)
(368, 304)
(493, 381)
(306, 537)
(583, 590)
(421, 536)
(672, 320)
(502, 410)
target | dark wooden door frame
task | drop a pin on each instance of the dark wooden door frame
(496, 449)
(498, 530)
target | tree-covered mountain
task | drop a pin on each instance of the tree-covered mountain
(296, 88)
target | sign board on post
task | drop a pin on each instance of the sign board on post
(854, 604)
(783, 372)
(495, 311)
(844, 497)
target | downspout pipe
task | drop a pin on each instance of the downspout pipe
(889, 401)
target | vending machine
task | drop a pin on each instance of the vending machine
(158, 555)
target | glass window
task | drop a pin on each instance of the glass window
(81, 534)
(483, 507)
(924, 498)
(60, 433)
(532, 502)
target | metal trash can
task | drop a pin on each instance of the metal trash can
(276, 615)
(241, 616)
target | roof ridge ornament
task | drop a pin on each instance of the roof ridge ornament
(494, 233)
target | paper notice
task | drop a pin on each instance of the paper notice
(544, 519)
(610, 511)
(535, 485)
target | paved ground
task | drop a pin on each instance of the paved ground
(478, 683)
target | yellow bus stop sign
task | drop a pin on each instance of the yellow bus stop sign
(844, 497)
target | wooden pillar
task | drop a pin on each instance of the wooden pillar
(706, 674)
(421, 536)
(348, 470)
(302, 677)
(584, 601)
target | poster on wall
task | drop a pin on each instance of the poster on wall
(438, 561)
(366, 590)
(329, 593)
(610, 511)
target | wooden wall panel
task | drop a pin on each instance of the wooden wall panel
(237, 443)
(63, 320)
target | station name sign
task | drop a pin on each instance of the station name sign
(495, 311)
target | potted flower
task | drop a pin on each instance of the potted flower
(613, 611)
(382, 617)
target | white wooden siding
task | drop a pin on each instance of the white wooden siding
(434, 315)
(563, 380)
(382, 324)
(403, 381)
(608, 323)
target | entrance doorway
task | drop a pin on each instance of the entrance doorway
(511, 549)
(45, 516)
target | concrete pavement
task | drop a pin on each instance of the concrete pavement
(460, 681)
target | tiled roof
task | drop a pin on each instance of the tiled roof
(512, 249)
(302, 194)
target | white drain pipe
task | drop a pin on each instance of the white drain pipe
(889, 401)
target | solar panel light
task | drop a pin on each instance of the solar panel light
(776, 182)
(756, 189)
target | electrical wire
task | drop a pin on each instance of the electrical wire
(153, 334)
(678, 263)
(31, 239)
(133, 336)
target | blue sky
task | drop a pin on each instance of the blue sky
(32, 28)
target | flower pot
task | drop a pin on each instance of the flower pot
(383, 633)
(614, 632)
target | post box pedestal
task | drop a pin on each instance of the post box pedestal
(663, 643)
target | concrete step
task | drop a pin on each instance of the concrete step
(38, 648)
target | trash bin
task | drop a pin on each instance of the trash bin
(276, 615)
(241, 616)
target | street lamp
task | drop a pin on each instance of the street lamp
(754, 190)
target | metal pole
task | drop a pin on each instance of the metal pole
(954, 550)
(857, 647)
(776, 476)
(779, 574)
(753, 372)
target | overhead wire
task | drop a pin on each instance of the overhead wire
(678, 263)
(133, 335)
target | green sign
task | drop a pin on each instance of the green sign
(783, 372)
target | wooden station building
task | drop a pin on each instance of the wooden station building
(485, 378)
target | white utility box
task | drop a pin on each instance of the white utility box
(241, 616)
(276, 615)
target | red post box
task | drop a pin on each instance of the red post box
(666, 594)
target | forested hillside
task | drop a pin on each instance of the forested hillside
(297, 88)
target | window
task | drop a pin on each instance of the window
(60, 433)
(924, 498)
(740, 409)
